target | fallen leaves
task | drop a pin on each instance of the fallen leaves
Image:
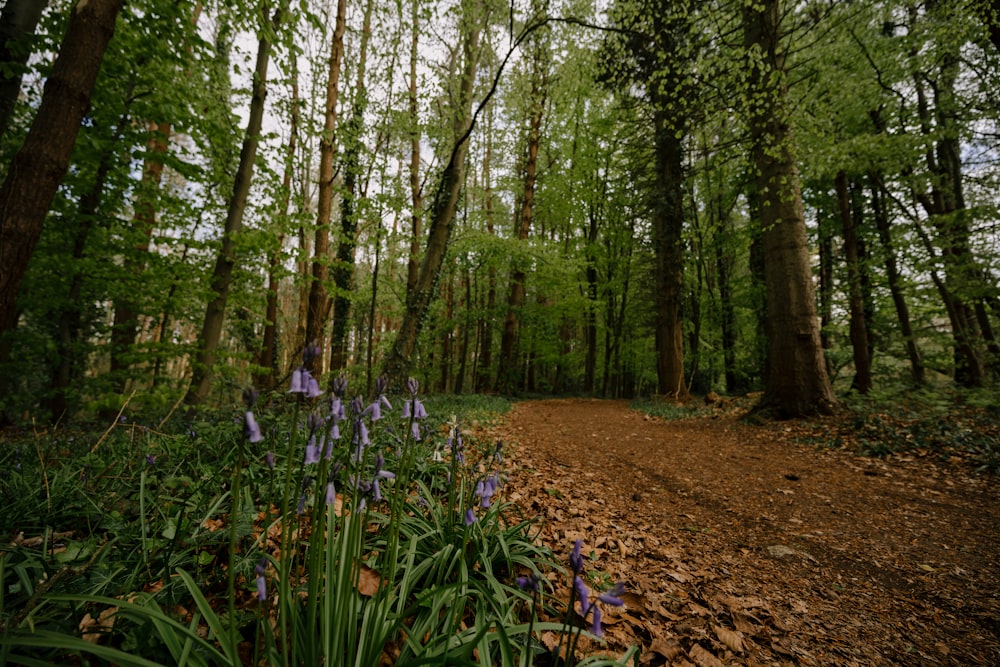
(740, 546)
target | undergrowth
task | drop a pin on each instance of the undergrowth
(303, 528)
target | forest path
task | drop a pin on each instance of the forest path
(741, 546)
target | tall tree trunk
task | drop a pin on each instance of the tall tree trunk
(416, 190)
(215, 311)
(945, 206)
(319, 300)
(484, 361)
(895, 278)
(17, 25)
(796, 382)
(668, 249)
(506, 370)
(126, 316)
(400, 359)
(267, 357)
(125, 325)
(40, 165)
(71, 325)
(343, 268)
(862, 381)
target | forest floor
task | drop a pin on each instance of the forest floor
(742, 545)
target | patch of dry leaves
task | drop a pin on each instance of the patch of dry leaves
(740, 546)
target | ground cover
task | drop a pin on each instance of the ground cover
(751, 545)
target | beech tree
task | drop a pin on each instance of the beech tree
(43, 159)
(795, 382)
(222, 275)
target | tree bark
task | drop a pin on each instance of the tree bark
(215, 311)
(319, 300)
(507, 363)
(267, 357)
(40, 165)
(796, 383)
(862, 382)
(343, 268)
(400, 358)
(17, 24)
(668, 248)
(416, 190)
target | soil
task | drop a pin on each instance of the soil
(740, 545)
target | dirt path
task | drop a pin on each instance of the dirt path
(742, 547)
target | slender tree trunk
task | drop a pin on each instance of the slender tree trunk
(484, 360)
(590, 315)
(70, 329)
(796, 382)
(862, 382)
(268, 355)
(416, 191)
(515, 297)
(17, 25)
(398, 363)
(215, 311)
(319, 300)
(343, 268)
(40, 165)
(945, 206)
(126, 316)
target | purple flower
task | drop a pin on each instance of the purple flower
(582, 594)
(312, 389)
(312, 451)
(296, 387)
(261, 581)
(412, 386)
(251, 428)
(337, 412)
(150, 460)
(470, 517)
(331, 493)
(575, 558)
(613, 596)
(595, 622)
(529, 583)
(339, 386)
(415, 431)
(302, 504)
(269, 460)
(374, 410)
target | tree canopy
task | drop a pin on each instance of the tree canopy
(643, 197)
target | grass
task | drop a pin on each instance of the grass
(143, 545)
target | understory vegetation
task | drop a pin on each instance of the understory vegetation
(303, 528)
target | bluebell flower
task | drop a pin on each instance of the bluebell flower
(613, 596)
(339, 386)
(150, 460)
(312, 451)
(269, 460)
(312, 389)
(251, 428)
(595, 622)
(412, 386)
(470, 517)
(379, 475)
(575, 558)
(261, 581)
(331, 493)
(529, 583)
(297, 384)
(582, 594)
(302, 504)
(415, 431)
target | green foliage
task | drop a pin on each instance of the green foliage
(144, 546)
(946, 424)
